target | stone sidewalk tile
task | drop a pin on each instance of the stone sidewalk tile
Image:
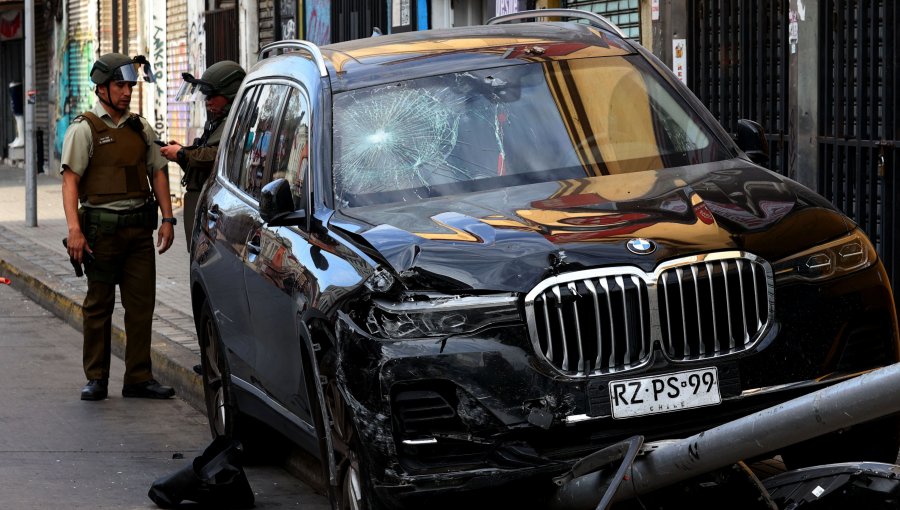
(36, 262)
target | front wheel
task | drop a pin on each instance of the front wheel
(261, 444)
(355, 488)
(344, 465)
(221, 409)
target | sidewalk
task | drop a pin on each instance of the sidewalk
(36, 262)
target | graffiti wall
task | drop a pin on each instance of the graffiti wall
(197, 64)
(187, 54)
(75, 90)
(288, 20)
(185, 50)
(157, 57)
(76, 52)
(318, 21)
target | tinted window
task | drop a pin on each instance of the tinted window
(292, 146)
(238, 133)
(260, 121)
(486, 129)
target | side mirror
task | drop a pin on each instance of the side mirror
(276, 205)
(751, 138)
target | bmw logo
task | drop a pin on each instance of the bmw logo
(641, 246)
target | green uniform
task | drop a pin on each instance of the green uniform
(197, 162)
(115, 163)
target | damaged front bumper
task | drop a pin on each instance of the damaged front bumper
(470, 412)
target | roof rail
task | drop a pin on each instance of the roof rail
(595, 19)
(297, 44)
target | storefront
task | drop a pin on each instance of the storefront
(626, 14)
(11, 72)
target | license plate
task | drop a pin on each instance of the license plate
(664, 393)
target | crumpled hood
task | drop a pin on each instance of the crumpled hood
(510, 239)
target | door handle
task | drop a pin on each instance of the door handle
(253, 246)
(213, 213)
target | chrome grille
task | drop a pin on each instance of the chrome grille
(592, 325)
(712, 308)
(602, 321)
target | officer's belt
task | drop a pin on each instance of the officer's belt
(108, 220)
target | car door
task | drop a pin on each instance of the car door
(227, 217)
(278, 283)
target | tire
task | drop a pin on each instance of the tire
(221, 409)
(354, 489)
(355, 485)
(261, 444)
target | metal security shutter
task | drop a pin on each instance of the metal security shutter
(178, 114)
(266, 22)
(118, 21)
(76, 92)
(626, 14)
(105, 21)
(739, 66)
(355, 19)
(43, 25)
(859, 140)
(221, 27)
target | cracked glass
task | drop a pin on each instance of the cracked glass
(484, 129)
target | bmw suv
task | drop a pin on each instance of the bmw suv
(450, 260)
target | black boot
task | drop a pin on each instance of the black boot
(95, 389)
(215, 479)
(147, 389)
(169, 491)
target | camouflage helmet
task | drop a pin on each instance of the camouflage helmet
(119, 67)
(222, 78)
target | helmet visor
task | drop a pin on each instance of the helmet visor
(194, 89)
(188, 92)
(134, 72)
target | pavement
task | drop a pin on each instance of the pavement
(34, 259)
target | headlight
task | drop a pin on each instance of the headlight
(439, 316)
(830, 260)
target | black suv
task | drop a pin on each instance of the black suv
(447, 260)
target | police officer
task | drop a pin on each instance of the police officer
(218, 86)
(110, 165)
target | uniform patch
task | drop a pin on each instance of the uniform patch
(105, 139)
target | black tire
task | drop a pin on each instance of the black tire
(355, 489)
(261, 444)
(874, 441)
(221, 409)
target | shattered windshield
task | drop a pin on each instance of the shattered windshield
(538, 122)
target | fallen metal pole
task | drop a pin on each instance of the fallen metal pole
(858, 400)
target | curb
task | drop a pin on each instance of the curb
(172, 362)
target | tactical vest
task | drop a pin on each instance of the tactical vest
(117, 169)
(197, 170)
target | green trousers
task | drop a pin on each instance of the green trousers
(190, 207)
(125, 258)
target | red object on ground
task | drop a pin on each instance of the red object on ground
(4, 281)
